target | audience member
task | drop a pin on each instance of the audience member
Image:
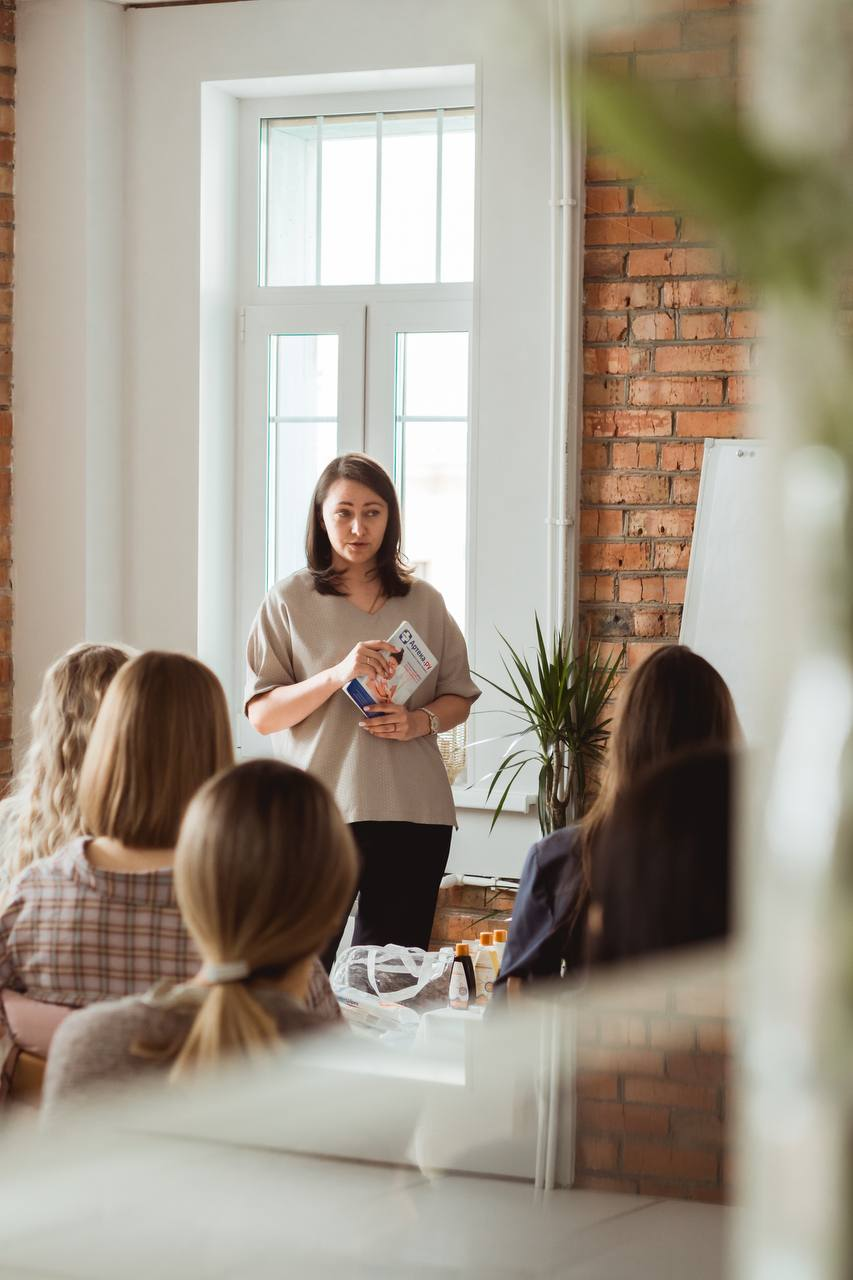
(674, 701)
(41, 814)
(263, 869)
(99, 919)
(661, 875)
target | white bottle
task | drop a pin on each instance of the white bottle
(500, 937)
(486, 968)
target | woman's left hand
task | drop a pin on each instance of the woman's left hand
(397, 724)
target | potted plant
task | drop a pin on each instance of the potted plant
(562, 702)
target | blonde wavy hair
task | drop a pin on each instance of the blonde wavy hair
(264, 868)
(41, 814)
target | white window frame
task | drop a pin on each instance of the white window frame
(366, 319)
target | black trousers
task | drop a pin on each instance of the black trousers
(401, 868)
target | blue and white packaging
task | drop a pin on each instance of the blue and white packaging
(414, 662)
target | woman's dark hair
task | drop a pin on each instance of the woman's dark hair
(661, 876)
(394, 577)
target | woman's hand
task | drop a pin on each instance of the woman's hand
(396, 723)
(366, 661)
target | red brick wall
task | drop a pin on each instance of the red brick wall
(668, 348)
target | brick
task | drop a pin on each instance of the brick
(615, 555)
(636, 1061)
(605, 1182)
(611, 64)
(681, 457)
(596, 1153)
(669, 1093)
(745, 324)
(596, 587)
(642, 35)
(627, 422)
(616, 360)
(740, 391)
(603, 262)
(606, 199)
(672, 555)
(675, 588)
(706, 293)
(7, 54)
(664, 522)
(653, 327)
(605, 328)
(630, 230)
(610, 524)
(648, 200)
(707, 29)
(704, 1192)
(702, 1002)
(676, 391)
(623, 296)
(673, 1033)
(599, 391)
(601, 167)
(697, 325)
(693, 231)
(648, 623)
(603, 1085)
(725, 425)
(7, 181)
(7, 119)
(626, 456)
(685, 489)
(704, 64)
(701, 356)
(618, 1118)
(696, 1128)
(651, 998)
(622, 1029)
(625, 489)
(669, 1162)
(714, 1037)
(594, 457)
(674, 262)
(641, 590)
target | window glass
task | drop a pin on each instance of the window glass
(457, 192)
(431, 458)
(348, 200)
(409, 193)
(290, 174)
(303, 432)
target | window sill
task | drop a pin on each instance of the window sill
(476, 798)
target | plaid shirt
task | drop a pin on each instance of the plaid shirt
(72, 934)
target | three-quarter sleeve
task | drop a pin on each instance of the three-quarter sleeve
(454, 674)
(269, 652)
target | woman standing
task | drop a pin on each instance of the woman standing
(326, 625)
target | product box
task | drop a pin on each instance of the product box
(412, 661)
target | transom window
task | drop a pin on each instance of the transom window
(380, 198)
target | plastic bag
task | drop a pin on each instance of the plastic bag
(369, 1016)
(395, 975)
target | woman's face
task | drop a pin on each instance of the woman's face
(355, 519)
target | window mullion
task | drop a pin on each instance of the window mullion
(378, 250)
(319, 227)
(439, 132)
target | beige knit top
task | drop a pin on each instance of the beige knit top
(298, 632)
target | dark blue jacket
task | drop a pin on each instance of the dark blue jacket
(544, 930)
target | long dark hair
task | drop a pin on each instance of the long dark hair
(394, 577)
(676, 701)
(661, 878)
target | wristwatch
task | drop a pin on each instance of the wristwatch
(434, 726)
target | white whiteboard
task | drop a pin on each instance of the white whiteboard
(727, 578)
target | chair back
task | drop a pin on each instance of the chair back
(32, 1024)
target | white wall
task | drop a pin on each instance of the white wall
(178, 388)
(68, 333)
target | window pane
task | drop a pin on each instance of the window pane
(306, 375)
(409, 161)
(348, 221)
(436, 374)
(291, 202)
(303, 433)
(432, 469)
(457, 197)
(431, 458)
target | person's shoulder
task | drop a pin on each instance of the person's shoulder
(548, 858)
(294, 587)
(58, 866)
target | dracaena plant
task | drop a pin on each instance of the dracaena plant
(561, 700)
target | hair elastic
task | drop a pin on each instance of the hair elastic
(226, 971)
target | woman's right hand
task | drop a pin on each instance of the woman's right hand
(364, 660)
